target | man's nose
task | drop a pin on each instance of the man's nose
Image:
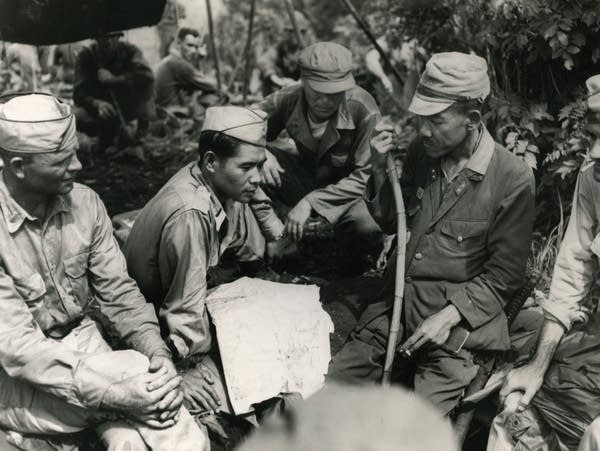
(255, 176)
(74, 165)
(424, 130)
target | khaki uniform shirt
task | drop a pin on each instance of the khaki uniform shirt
(177, 237)
(469, 239)
(49, 273)
(341, 159)
(576, 266)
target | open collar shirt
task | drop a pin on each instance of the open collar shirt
(49, 273)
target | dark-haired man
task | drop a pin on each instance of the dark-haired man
(113, 81)
(58, 256)
(178, 76)
(469, 205)
(331, 121)
(182, 232)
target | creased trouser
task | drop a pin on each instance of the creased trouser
(435, 374)
(527, 431)
(23, 408)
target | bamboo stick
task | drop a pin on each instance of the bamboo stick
(394, 174)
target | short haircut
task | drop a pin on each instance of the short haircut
(184, 31)
(7, 155)
(222, 145)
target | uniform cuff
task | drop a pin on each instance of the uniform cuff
(467, 308)
(90, 385)
(557, 313)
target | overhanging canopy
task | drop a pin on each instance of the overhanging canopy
(45, 22)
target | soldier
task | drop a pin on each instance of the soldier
(562, 378)
(178, 77)
(113, 86)
(183, 231)
(57, 254)
(470, 215)
(330, 120)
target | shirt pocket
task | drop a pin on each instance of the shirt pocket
(76, 275)
(31, 288)
(463, 238)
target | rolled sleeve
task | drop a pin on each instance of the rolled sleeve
(576, 263)
(485, 296)
(119, 297)
(183, 263)
(268, 221)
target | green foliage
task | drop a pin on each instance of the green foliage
(539, 53)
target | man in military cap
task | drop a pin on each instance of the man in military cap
(469, 205)
(208, 207)
(331, 121)
(561, 380)
(57, 253)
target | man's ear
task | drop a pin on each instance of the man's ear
(210, 161)
(473, 119)
(17, 167)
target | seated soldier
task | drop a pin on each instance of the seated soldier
(278, 65)
(183, 231)
(178, 76)
(562, 379)
(113, 85)
(470, 216)
(330, 120)
(57, 257)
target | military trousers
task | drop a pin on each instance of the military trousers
(434, 373)
(26, 409)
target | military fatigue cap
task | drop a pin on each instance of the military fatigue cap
(32, 123)
(244, 124)
(450, 77)
(350, 418)
(327, 67)
(593, 87)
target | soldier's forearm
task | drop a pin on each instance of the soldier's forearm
(548, 341)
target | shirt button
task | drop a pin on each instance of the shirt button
(408, 279)
(459, 238)
(429, 231)
(418, 256)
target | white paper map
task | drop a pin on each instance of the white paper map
(273, 338)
